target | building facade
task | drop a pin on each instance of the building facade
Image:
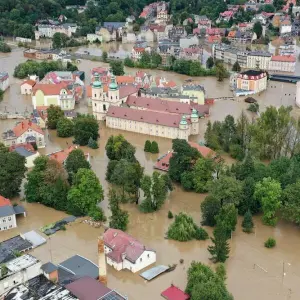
(252, 81)
(4, 81)
(27, 86)
(282, 63)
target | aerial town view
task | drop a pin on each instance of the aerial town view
(149, 150)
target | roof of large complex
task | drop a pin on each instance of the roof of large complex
(22, 262)
(121, 244)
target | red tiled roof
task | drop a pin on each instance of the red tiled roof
(173, 107)
(51, 89)
(146, 116)
(26, 146)
(4, 201)
(121, 244)
(24, 126)
(231, 33)
(139, 49)
(284, 58)
(125, 79)
(174, 293)
(30, 82)
(164, 161)
(62, 155)
(127, 90)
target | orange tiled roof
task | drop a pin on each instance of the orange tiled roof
(125, 79)
(30, 82)
(284, 58)
(231, 33)
(61, 156)
(24, 126)
(4, 201)
(50, 89)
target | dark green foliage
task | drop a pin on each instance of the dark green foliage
(117, 147)
(204, 283)
(12, 172)
(110, 169)
(210, 63)
(39, 68)
(210, 208)
(1, 95)
(147, 147)
(154, 147)
(221, 71)
(191, 68)
(117, 67)
(85, 127)
(155, 188)
(257, 28)
(128, 62)
(253, 107)
(97, 214)
(54, 114)
(65, 127)
(59, 40)
(247, 223)
(227, 219)
(270, 243)
(236, 67)
(4, 48)
(119, 219)
(184, 229)
(220, 248)
(75, 161)
(149, 60)
(104, 56)
(170, 215)
(93, 144)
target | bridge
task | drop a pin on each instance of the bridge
(5, 114)
(284, 78)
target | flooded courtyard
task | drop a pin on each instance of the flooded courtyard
(253, 271)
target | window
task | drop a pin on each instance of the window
(95, 104)
(148, 255)
(95, 95)
(9, 218)
(141, 259)
(104, 107)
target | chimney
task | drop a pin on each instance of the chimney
(102, 261)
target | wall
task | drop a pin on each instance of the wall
(26, 89)
(30, 159)
(40, 139)
(146, 259)
(8, 222)
(198, 94)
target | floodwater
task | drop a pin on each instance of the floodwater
(253, 271)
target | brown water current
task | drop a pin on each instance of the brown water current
(253, 271)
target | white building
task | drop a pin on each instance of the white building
(25, 132)
(298, 94)
(18, 271)
(285, 28)
(48, 30)
(282, 63)
(188, 41)
(125, 252)
(258, 59)
(4, 81)
(27, 86)
(128, 37)
(93, 37)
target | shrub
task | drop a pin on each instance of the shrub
(92, 143)
(247, 222)
(170, 215)
(147, 147)
(97, 215)
(154, 147)
(270, 243)
(201, 234)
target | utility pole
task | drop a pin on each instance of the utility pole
(50, 250)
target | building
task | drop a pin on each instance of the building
(25, 132)
(48, 30)
(188, 41)
(26, 150)
(162, 17)
(62, 155)
(4, 81)
(18, 271)
(282, 63)
(128, 38)
(27, 86)
(8, 214)
(93, 37)
(194, 53)
(174, 293)
(194, 90)
(125, 252)
(60, 94)
(251, 82)
(285, 27)
(258, 60)
(137, 52)
(30, 53)
(163, 162)
(87, 288)
(176, 33)
(226, 15)
(146, 35)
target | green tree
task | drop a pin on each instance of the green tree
(85, 127)
(154, 147)
(128, 62)
(227, 219)
(75, 161)
(278, 4)
(210, 62)
(184, 229)
(1, 95)
(221, 271)
(210, 208)
(145, 60)
(268, 192)
(12, 172)
(54, 113)
(104, 56)
(65, 127)
(119, 219)
(117, 67)
(155, 188)
(220, 248)
(117, 147)
(221, 72)
(92, 144)
(147, 147)
(156, 59)
(270, 243)
(85, 193)
(59, 40)
(247, 223)
(257, 28)
(97, 214)
(269, 8)
(211, 137)
(236, 67)
(4, 48)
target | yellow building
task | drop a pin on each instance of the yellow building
(252, 81)
(194, 90)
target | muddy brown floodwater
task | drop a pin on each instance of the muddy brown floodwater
(253, 271)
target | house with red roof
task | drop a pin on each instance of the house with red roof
(8, 214)
(125, 252)
(26, 150)
(27, 86)
(282, 63)
(25, 132)
(226, 15)
(62, 155)
(174, 293)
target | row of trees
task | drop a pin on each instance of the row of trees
(84, 128)
(151, 147)
(41, 68)
(61, 40)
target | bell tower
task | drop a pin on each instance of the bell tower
(97, 98)
(113, 96)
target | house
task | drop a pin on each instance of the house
(87, 288)
(251, 82)
(176, 32)
(258, 59)
(18, 271)
(128, 37)
(147, 35)
(27, 151)
(25, 132)
(226, 15)
(188, 41)
(39, 116)
(282, 63)
(162, 17)
(58, 94)
(194, 53)
(107, 35)
(174, 293)
(27, 86)
(194, 90)
(4, 81)
(48, 30)
(137, 52)
(163, 162)
(125, 252)
(8, 214)
(62, 155)
(285, 27)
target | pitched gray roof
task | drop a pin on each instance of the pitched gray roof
(48, 267)
(6, 211)
(19, 209)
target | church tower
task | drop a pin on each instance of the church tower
(195, 121)
(97, 98)
(183, 128)
(113, 96)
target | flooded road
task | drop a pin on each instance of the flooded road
(247, 279)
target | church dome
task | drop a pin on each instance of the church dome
(183, 121)
(113, 85)
(97, 83)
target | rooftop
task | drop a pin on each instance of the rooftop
(22, 262)
(174, 293)
(252, 73)
(284, 58)
(62, 155)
